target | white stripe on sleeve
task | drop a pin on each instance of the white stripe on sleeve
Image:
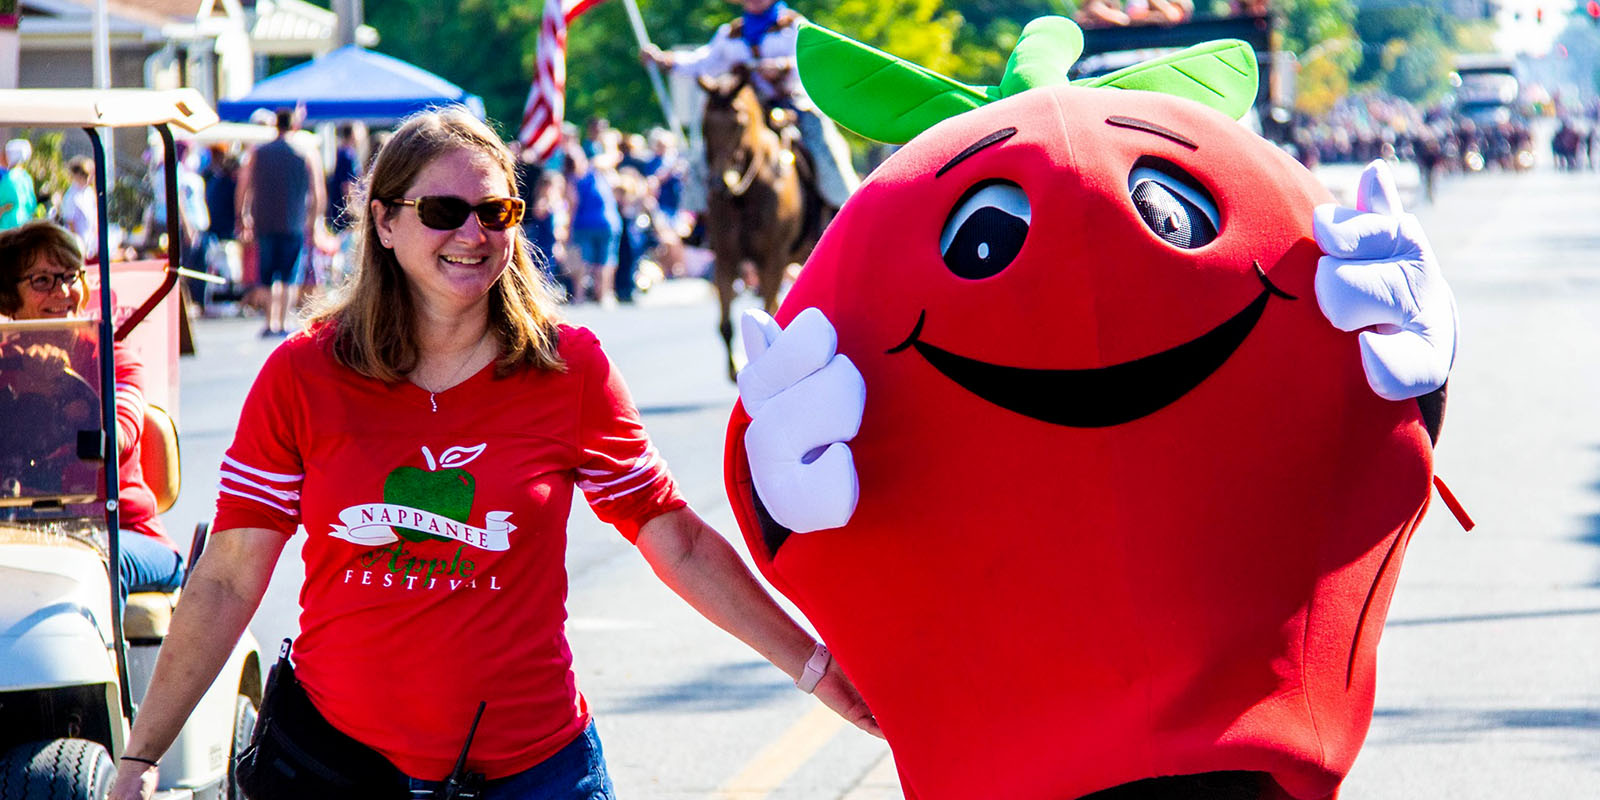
(262, 500)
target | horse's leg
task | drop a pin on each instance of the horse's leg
(725, 271)
(772, 267)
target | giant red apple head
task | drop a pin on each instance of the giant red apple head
(1128, 507)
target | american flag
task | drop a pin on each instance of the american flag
(541, 117)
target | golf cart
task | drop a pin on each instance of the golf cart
(75, 660)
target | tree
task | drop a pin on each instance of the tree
(1420, 68)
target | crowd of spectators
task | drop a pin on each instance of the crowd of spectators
(1439, 140)
(1361, 128)
(607, 212)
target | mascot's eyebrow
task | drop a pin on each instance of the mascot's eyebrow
(993, 138)
(1151, 127)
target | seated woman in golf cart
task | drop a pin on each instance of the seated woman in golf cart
(42, 277)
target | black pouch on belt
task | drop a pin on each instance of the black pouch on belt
(296, 754)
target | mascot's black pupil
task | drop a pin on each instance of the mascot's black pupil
(985, 243)
(1176, 220)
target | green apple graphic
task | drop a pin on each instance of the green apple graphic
(443, 488)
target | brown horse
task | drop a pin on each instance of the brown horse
(756, 205)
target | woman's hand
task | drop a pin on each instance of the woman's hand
(696, 562)
(837, 692)
(135, 781)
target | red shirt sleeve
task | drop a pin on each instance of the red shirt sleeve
(130, 393)
(262, 470)
(625, 479)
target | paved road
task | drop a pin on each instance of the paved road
(1490, 666)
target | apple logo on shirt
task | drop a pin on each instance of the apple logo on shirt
(443, 488)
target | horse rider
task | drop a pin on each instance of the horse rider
(763, 39)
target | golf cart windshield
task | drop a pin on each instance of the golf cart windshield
(49, 414)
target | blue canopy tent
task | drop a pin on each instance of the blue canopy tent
(351, 84)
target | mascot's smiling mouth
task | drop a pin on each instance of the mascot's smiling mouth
(1103, 396)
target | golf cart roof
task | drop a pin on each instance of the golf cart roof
(112, 108)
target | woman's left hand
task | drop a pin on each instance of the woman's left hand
(837, 692)
(697, 563)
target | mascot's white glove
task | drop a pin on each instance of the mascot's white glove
(1380, 272)
(805, 401)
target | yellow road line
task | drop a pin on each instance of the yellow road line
(779, 760)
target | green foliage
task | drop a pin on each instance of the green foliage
(1421, 68)
(484, 46)
(1307, 23)
(1404, 48)
(46, 165)
(1320, 84)
(488, 46)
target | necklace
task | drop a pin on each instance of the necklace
(433, 399)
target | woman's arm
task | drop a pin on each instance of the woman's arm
(130, 397)
(696, 562)
(217, 604)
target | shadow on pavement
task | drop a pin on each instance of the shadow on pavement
(1435, 724)
(1510, 615)
(727, 687)
(1591, 523)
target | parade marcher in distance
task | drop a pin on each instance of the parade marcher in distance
(17, 199)
(281, 196)
(763, 38)
(42, 277)
(78, 212)
(427, 432)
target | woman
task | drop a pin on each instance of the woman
(427, 431)
(41, 277)
(78, 211)
(596, 225)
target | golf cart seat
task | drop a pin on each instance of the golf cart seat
(148, 615)
(158, 457)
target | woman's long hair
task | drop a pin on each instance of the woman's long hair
(373, 323)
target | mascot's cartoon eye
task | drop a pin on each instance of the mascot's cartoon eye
(1173, 206)
(985, 231)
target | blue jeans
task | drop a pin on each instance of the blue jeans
(598, 246)
(278, 257)
(575, 772)
(148, 565)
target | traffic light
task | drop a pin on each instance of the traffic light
(1593, 8)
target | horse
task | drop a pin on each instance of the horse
(758, 207)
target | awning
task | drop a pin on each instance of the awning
(351, 84)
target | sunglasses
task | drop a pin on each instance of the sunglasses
(48, 281)
(446, 213)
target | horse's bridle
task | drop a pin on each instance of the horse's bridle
(749, 178)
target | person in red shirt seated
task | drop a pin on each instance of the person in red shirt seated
(427, 432)
(41, 277)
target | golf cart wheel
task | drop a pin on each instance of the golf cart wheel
(244, 725)
(59, 769)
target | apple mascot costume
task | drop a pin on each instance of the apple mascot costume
(1091, 436)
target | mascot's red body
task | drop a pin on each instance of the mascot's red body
(1127, 510)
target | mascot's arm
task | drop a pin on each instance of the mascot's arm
(805, 400)
(1380, 274)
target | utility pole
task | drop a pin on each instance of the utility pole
(102, 80)
(350, 18)
(10, 44)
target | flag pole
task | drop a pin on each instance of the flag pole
(654, 71)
